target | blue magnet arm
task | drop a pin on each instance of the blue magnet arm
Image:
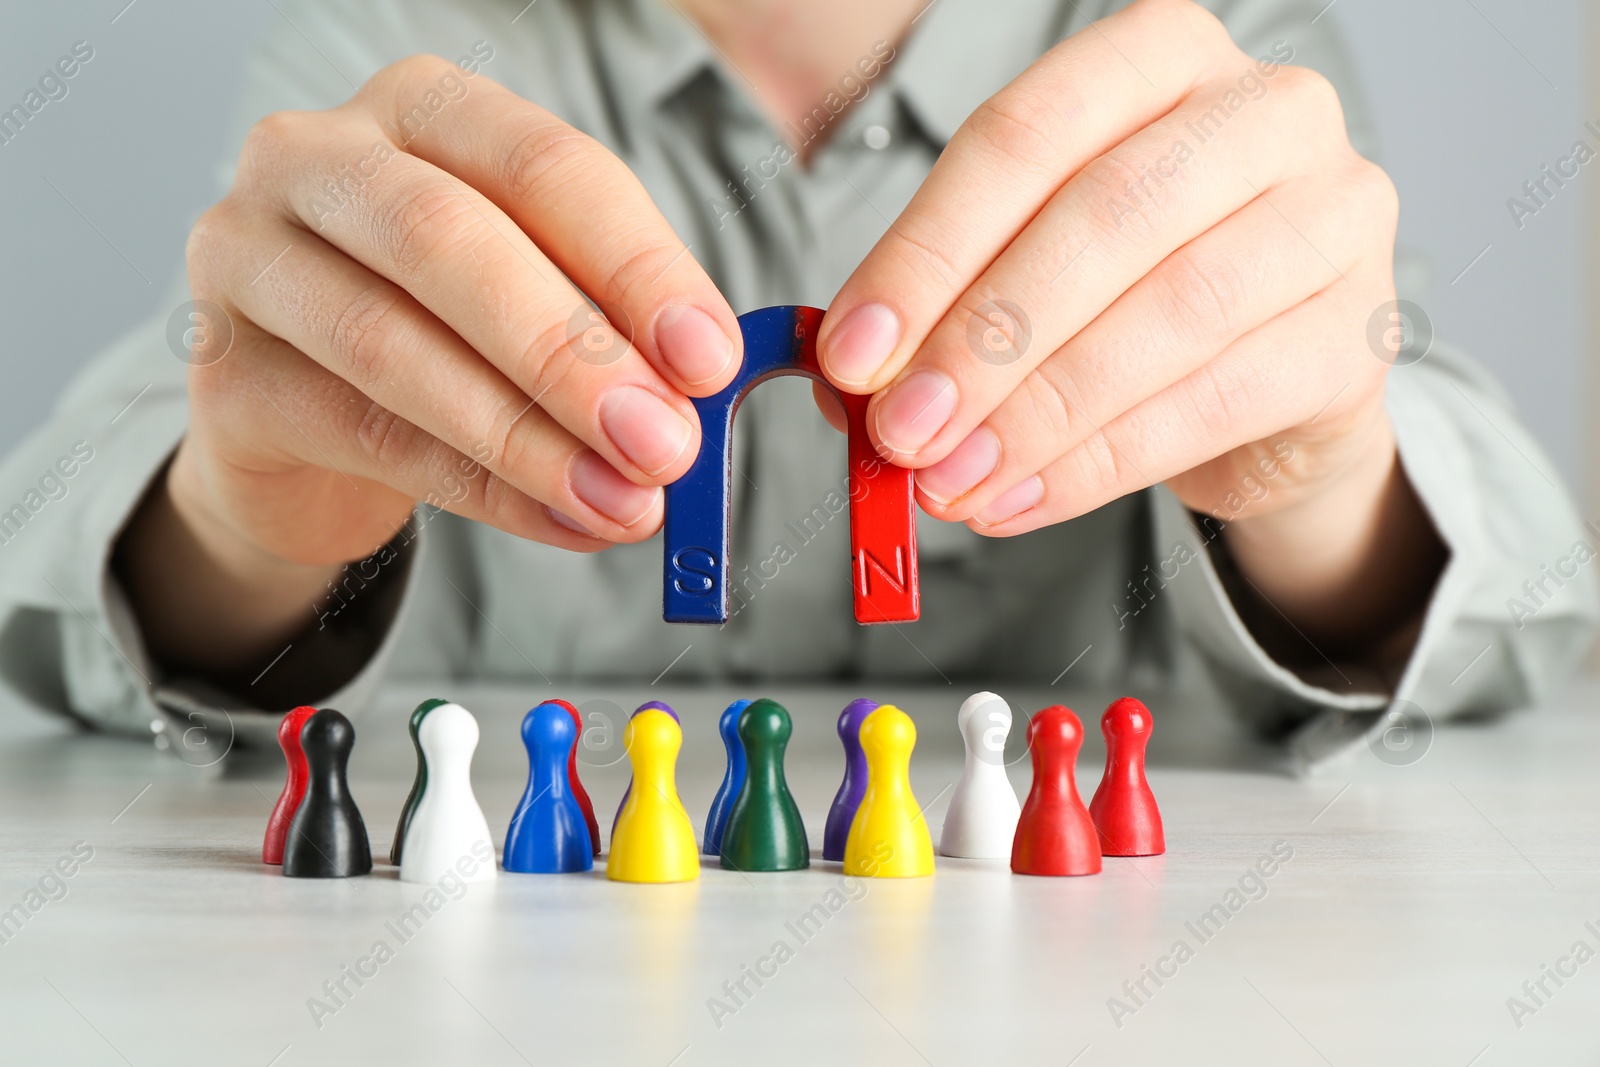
(699, 505)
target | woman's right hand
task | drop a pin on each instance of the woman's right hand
(396, 271)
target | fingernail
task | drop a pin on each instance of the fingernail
(915, 410)
(561, 518)
(644, 427)
(959, 473)
(692, 344)
(862, 343)
(599, 485)
(1013, 502)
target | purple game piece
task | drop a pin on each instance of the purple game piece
(658, 706)
(848, 799)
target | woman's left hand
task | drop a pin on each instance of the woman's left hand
(1150, 258)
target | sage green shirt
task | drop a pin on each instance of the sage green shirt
(1125, 599)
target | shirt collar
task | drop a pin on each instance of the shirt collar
(663, 50)
(958, 54)
(961, 52)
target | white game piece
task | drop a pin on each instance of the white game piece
(983, 813)
(448, 833)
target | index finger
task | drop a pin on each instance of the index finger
(582, 206)
(1020, 146)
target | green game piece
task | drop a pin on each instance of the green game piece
(764, 831)
(418, 784)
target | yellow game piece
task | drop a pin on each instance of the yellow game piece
(653, 841)
(888, 837)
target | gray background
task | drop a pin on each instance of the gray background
(1472, 98)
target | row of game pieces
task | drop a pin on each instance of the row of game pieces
(874, 825)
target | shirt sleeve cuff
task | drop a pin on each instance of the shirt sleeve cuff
(113, 683)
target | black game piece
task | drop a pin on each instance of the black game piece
(327, 838)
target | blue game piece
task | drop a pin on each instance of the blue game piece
(883, 511)
(548, 834)
(854, 785)
(646, 706)
(732, 779)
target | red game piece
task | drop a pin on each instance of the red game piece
(578, 792)
(1123, 808)
(294, 786)
(1055, 835)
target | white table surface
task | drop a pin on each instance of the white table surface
(1419, 898)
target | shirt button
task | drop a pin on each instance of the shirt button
(876, 137)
